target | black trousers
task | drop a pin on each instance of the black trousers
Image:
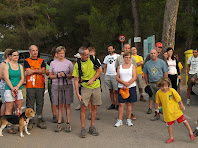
(173, 79)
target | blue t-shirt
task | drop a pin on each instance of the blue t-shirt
(155, 69)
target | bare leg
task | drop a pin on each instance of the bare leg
(121, 110)
(53, 107)
(150, 104)
(9, 107)
(129, 110)
(68, 113)
(188, 127)
(3, 108)
(82, 115)
(89, 106)
(116, 96)
(170, 131)
(112, 96)
(59, 112)
(188, 92)
(93, 114)
(156, 105)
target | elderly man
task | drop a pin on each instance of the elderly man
(154, 69)
(34, 70)
(87, 73)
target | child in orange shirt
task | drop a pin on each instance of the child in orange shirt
(168, 98)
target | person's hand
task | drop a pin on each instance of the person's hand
(182, 107)
(29, 71)
(62, 74)
(127, 84)
(90, 82)
(124, 87)
(79, 97)
(16, 88)
(178, 76)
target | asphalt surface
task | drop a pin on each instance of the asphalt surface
(143, 134)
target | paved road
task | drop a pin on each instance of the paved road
(144, 133)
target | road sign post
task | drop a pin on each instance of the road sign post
(122, 39)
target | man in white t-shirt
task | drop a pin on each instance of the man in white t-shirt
(110, 76)
(192, 70)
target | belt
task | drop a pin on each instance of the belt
(153, 82)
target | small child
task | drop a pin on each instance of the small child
(168, 98)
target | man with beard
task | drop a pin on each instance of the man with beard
(110, 76)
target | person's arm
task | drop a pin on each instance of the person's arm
(177, 67)
(146, 78)
(140, 63)
(6, 77)
(181, 105)
(166, 74)
(36, 71)
(188, 68)
(97, 75)
(1, 70)
(21, 79)
(76, 85)
(105, 68)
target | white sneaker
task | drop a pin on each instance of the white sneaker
(118, 123)
(188, 102)
(128, 122)
(78, 107)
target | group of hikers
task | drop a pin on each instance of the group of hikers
(158, 75)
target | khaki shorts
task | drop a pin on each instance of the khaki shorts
(111, 82)
(189, 79)
(140, 81)
(91, 94)
(154, 90)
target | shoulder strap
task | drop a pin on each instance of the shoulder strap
(79, 67)
(94, 61)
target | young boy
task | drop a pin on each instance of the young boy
(168, 98)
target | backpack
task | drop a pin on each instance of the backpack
(80, 69)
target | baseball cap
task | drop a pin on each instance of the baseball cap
(124, 93)
(77, 55)
(159, 44)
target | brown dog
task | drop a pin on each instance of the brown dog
(22, 121)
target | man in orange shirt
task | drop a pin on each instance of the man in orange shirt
(34, 70)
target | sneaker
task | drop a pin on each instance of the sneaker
(54, 120)
(149, 111)
(11, 131)
(118, 123)
(117, 107)
(195, 132)
(133, 117)
(41, 124)
(170, 140)
(128, 122)
(58, 128)
(142, 98)
(83, 133)
(112, 106)
(188, 102)
(78, 107)
(192, 137)
(93, 131)
(156, 117)
(68, 128)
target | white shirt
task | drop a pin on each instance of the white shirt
(193, 65)
(172, 70)
(126, 75)
(110, 61)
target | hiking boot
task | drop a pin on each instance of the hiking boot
(54, 119)
(118, 123)
(195, 132)
(133, 117)
(117, 107)
(93, 131)
(58, 128)
(11, 131)
(129, 122)
(156, 117)
(40, 124)
(188, 102)
(68, 128)
(78, 107)
(149, 111)
(30, 124)
(112, 106)
(83, 133)
(142, 98)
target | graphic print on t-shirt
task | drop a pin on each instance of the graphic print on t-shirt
(154, 70)
(111, 60)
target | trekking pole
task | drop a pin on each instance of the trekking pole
(58, 93)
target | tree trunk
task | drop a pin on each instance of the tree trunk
(137, 30)
(190, 23)
(169, 26)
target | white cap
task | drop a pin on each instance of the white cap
(77, 55)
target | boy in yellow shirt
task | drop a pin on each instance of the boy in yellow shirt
(168, 98)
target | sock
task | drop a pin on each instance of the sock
(157, 110)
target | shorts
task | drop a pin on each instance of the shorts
(2, 95)
(154, 90)
(131, 99)
(189, 79)
(140, 81)
(179, 120)
(9, 98)
(91, 94)
(62, 94)
(111, 82)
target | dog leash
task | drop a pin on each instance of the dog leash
(17, 108)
